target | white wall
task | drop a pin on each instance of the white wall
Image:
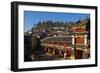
(5, 35)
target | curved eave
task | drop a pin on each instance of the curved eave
(78, 33)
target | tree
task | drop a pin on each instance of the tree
(37, 49)
(27, 47)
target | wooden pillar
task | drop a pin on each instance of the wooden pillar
(85, 39)
(74, 43)
(53, 51)
(73, 51)
(73, 39)
(48, 50)
(60, 53)
(65, 55)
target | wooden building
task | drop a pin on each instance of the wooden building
(71, 46)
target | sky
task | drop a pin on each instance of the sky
(33, 17)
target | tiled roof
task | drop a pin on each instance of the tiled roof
(79, 30)
(58, 39)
